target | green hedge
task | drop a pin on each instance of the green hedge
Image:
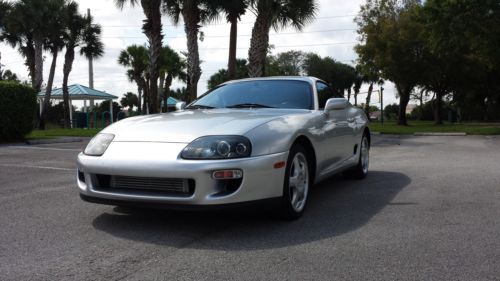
(17, 109)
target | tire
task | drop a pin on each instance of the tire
(296, 184)
(360, 171)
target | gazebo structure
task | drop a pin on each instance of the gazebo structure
(79, 92)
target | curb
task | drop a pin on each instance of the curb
(459, 134)
(55, 140)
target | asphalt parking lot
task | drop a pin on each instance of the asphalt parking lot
(429, 210)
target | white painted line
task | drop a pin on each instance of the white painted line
(45, 148)
(451, 134)
(35, 167)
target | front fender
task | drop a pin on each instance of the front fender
(278, 135)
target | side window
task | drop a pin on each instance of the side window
(324, 93)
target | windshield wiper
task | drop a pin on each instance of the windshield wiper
(249, 105)
(200, 106)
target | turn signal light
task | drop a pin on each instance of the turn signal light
(227, 174)
(279, 165)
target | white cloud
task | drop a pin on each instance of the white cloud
(123, 27)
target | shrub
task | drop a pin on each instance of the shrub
(17, 109)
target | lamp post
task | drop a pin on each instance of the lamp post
(382, 105)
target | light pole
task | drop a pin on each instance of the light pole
(382, 105)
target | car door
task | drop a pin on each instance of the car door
(336, 139)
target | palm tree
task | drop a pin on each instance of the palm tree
(40, 16)
(17, 34)
(75, 25)
(172, 66)
(278, 14)
(54, 43)
(358, 82)
(135, 58)
(195, 13)
(152, 29)
(233, 10)
(92, 46)
(8, 75)
(5, 8)
(129, 100)
(26, 26)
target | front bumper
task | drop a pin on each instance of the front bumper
(161, 160)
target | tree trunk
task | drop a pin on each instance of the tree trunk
(145, 96)
(91, 65)
(349, 94)
(69, 57)
(438, 108)
(168, 83)
(161, 90)
(38, 64)
(233, 39)
(404, 98)
(139, 92)
(152, 28)
(368, 99)
(259, 45)
(356, 98)
(191, 17)
(30, 60)
(48, 91)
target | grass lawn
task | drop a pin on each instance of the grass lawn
(52, 133)
(390, 127)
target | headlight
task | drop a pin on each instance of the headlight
(218, 147)
(98, 145)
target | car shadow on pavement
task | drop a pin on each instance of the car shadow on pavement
(335, 207)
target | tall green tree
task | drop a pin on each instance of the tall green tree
(195, 13)
(92, 46)
(391, 45)
(358, 82)
(221, 76)
(172, 66)
(78, 28)
(278, 14)
(74, 28)
(289, 63)
(153, 30)
(340, 76)
(130, 100)
(233, 11)
(135, 58)
(462, 57)
(35, 19)
(53, 43)
(7, 75)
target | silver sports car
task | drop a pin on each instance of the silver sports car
(243, 142)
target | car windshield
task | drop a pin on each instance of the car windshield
(291, 94)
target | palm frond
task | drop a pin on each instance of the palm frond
(120, 4)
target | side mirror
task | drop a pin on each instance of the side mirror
(336, 104)
(180, 106)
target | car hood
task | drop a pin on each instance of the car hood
(185, 126)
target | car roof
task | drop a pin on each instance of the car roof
(308, 79)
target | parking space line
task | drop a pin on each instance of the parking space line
(45, 148)
(35, 167)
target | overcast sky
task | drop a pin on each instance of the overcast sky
(331, 34)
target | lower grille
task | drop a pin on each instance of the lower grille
(166, 186)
